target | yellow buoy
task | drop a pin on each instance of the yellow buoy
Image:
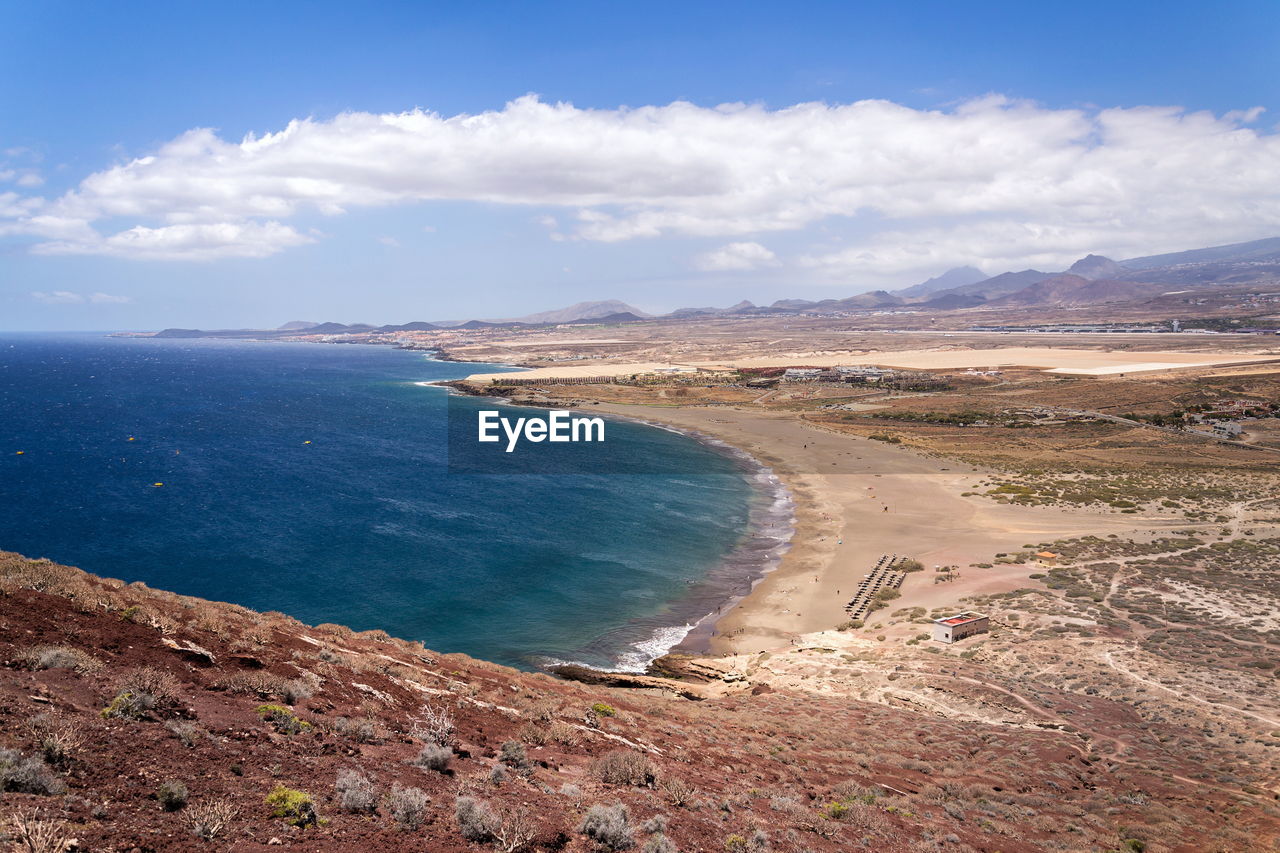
(20, 452)
(307, 442)
(157, 484)
(131, 438)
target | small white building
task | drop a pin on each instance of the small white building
(949, 629)
(1228, 429)
(800, 374)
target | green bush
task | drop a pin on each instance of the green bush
(172, 795)
(294, 806)
(600, 709)
(283, 719)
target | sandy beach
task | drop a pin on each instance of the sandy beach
(1085, 362)
(857, 499)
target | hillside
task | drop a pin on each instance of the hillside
(578, 311)
(132, 718)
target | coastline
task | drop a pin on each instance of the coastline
(689, 623)
(841, 485)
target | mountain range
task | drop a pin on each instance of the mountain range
(1092, 280)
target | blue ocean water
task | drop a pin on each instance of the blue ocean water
(312, 480)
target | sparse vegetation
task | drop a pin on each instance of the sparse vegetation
(355, 791)
(434, 757)
(407, 806)
(208, 820)
(608, 826)
(624, 767)
(27, 774)
(172, 795)
(295, 806)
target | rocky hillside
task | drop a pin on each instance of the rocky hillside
(136, 719)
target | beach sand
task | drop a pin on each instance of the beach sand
(841, 485)
(1086, 362)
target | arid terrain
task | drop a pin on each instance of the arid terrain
(1123, 541)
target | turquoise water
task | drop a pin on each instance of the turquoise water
(364, 525)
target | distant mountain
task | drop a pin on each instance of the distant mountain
(739, 308)
(487, 324)
(620, 317)
(1093, 267)
(861, 301)
(1255, 250)
(1067, 290)
(417, 326)
(997, 286)
(579, 311)
(339, 328)
(297, 325)
(952, 301)
(955, 277)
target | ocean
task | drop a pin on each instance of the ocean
(314, 480)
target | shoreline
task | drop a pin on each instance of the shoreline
(840, 485)
(768, 535)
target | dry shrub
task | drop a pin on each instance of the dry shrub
(39, 575)
(364, 730)
(155, 682)
(355, 791)
(187, 732)
(624, 767)
(543, 711)
(565, 733)
(208, 820)
(677, 791)
(434, 757)
(254, 683)
(59, 657)
(56, 737)
(434, 725)
(408, 806)
(33, 835)
(608, 826)
(533, 734)
(27, 774)
(142, 691)
(476, 821)
(509, 830)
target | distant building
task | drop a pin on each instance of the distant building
(801, 374)
(1047, 558)
(952, 628)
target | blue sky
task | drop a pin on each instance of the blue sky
(549, 206)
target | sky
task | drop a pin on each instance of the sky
(226, 165)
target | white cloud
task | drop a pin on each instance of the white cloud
(184, 242)
(389, 241)
(1025, 181)
(57, 297)
(736, 256)
(67, 297)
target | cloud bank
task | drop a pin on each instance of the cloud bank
(990, 181)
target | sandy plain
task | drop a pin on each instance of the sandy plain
(842, 485)
(1051, 359)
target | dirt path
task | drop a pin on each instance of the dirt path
(1182, 693)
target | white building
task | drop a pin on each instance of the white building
(949, 629)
